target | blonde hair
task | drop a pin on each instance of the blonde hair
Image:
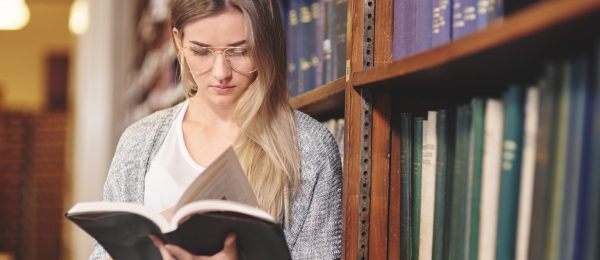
(267, 145)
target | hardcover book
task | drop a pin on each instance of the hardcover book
(219, 201)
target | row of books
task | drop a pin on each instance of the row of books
(316, 42)
(423, 24)
(515, 177)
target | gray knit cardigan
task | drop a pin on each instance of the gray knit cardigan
(314, 230)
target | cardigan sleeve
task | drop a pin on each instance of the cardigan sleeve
(320, 229)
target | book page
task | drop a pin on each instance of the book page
(224, 179)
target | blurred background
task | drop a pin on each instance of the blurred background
(73, 75)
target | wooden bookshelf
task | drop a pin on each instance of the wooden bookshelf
(322, 102)
(507, 51)
(512, 45)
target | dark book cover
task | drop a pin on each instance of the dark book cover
(588, 206)
(405, 185)
(511, 169)
(458, 190)
(543, 162)
(417, 155)
(340, 22)
(577, 97)
(444, 164)
(474, 176)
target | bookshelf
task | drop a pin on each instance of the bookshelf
(323, 102)
(376, 89)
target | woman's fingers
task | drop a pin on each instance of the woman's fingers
(164, 253)
(229, 247)
(178, 252)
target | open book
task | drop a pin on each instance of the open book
(218, 202)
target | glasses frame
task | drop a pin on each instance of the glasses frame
(214, 51)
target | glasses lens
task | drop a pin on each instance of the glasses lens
(201, 60)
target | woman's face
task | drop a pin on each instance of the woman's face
(221, 80)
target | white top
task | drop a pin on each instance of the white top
(172, 170)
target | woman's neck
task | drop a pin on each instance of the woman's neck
(210, 115)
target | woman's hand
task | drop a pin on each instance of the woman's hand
(172, 252)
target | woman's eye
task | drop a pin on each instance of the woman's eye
(201, 52)
(240, 52)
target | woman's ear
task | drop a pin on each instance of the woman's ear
(177, 39)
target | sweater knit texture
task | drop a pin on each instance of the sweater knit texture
(314, 230)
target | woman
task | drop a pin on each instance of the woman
(233, 65)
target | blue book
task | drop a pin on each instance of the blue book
(441, 23)
(404, 35)
(587, 233)
(575, 131)
(319, 17)
(464, 18)
(423, 23)
(510, 176)
(328, 41)
(340, 23)
(292, 50)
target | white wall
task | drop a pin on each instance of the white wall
(101, 61)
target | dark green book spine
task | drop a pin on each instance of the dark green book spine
(543, 162)
(510, 176)
(416, 184)
(405, 185)
(474, 178)
(458, 189)
(440, 186)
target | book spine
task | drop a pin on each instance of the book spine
(543, 162)
(305, 46)
(440, 186)
(510, 176)
(318, 10)
(490, 178)
(429, 157)
(292, 50)
(441, 25)
(405, 185)
(474, 179)
(577, 95)
(341, 7)
(458, 191)
(527, 173)
(559, 164)
(417, 153)
(423, 25)
(397, 37)
(328, 43)
(590, 226)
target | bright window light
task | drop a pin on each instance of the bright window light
(14, 14)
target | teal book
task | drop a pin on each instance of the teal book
(474, 175)
(417, 152)
(440, 186)
(458, 190)
(405, 185)
(443, 197)
(559, 164)
(546, 143)
(509, 177)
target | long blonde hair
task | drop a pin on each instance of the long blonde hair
(267, 145)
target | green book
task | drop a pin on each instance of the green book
(417, 148)
(458, 190)
(559, 165)
(443, 198)
(510, 176)
(474, 176)
(440, 186)
(405, 185)
(543, 162)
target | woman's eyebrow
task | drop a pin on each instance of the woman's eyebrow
(235, 44)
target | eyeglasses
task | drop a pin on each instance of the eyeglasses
(201, 59)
